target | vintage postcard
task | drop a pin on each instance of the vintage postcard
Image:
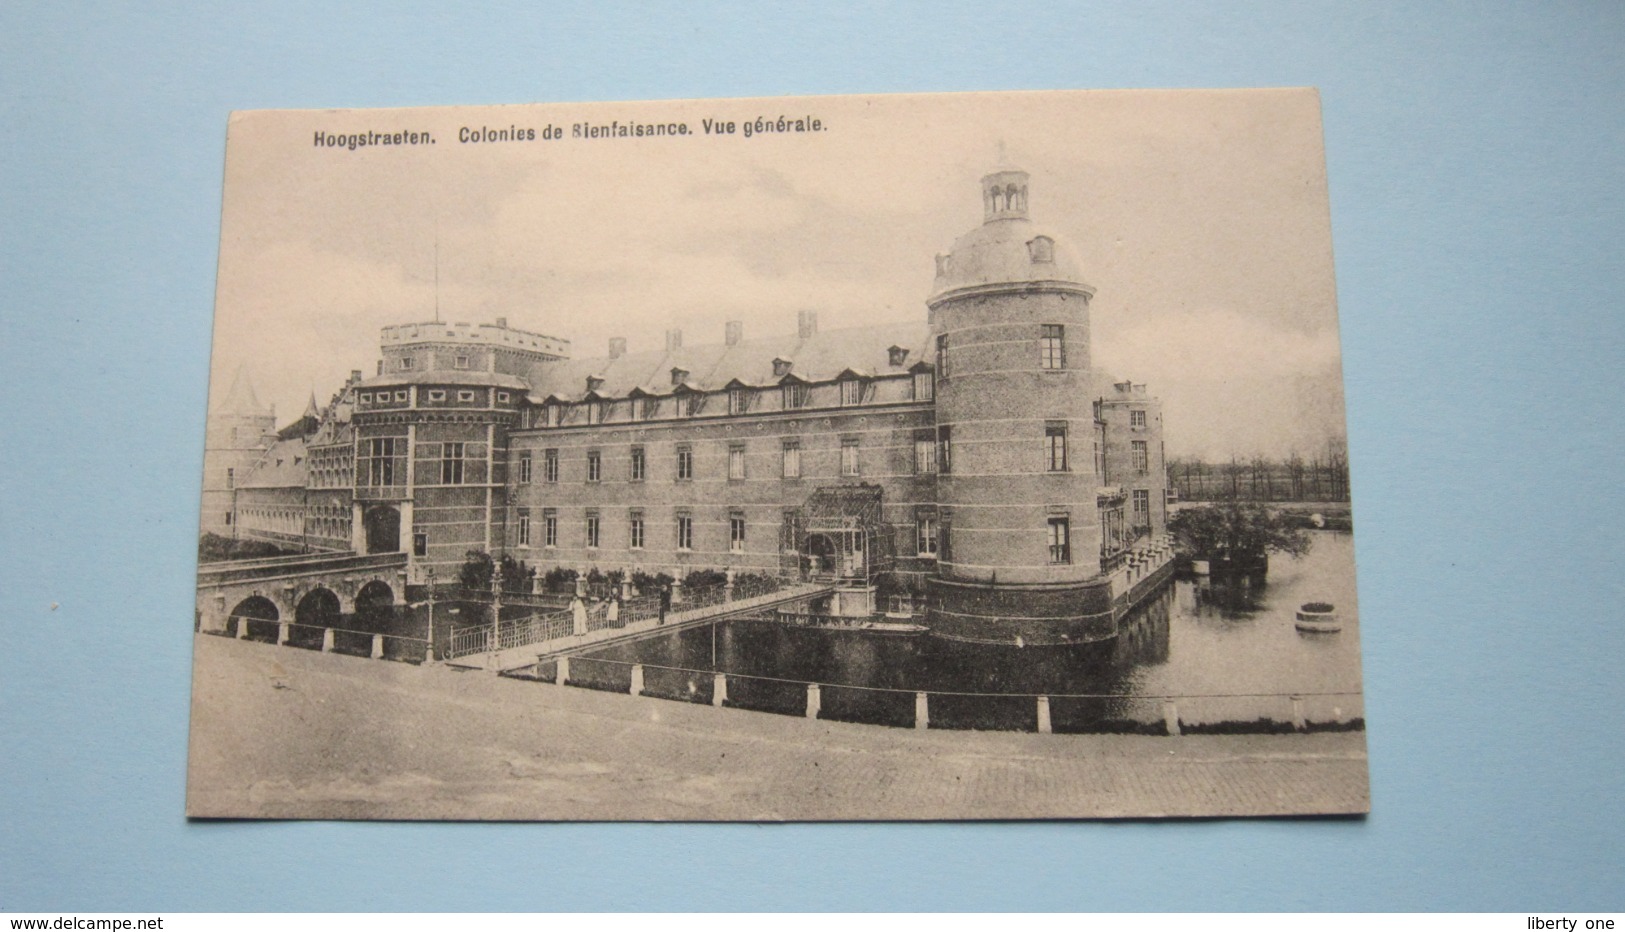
(963, 456)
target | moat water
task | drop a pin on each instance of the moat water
(1226, 655)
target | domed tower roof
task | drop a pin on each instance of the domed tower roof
(1008, 248)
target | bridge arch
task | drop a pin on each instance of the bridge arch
(255, 608)
(320, 607)
(374, 605)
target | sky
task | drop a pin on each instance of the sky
(1200, 217)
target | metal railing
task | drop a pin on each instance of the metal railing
(1288, 711)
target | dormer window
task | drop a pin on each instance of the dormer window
(594, 383)
(738, 400)
(851, 391)
(550, 415)
(896, 354)
(925, 385)
(648, 407)
(781, 367)
(679, 375)
(1041, 248)
(690, 403)
(595, 411)
(795, 395)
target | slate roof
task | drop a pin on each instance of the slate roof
(712, 367)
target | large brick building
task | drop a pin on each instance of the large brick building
(971, 464)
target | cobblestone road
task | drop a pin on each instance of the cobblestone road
(286, 733)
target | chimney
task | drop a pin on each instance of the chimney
(674, 340)
(735, 331)
(502, 323)
(617, 347)
(806, 324)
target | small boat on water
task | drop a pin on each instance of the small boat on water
(1318, 618)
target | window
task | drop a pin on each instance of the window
(401, 395)
(795, 395)
(792, 459)
(926, 537)
(1142, 508)
(420, 541)
(690, 403)
(1136, 419)
(378, 461)
(524, 529)
(550, 415)
(461, 362)
(942, 355)
(851, 391)
(595, 412)
(228, 518)
(1055, 447)
(1052, 347)
(231, 478)
(925, 386)
(685, 463)
(736, 532)
(524, 468)
(451, 464)
(634, 530)
(465, 396)
(1100, 456)
(437, 394)
(685, 532)
(595, 466)
(738, 400)
(366, 397)
(945, 449)
(1060, 539)
(406, 363)
(636, 473)
(502, 398)
(849, 457)
(550, 466)
(1140, 454)
(649, 407)
(550, 528)
(592, 530)
(736, 462)
(925, 456)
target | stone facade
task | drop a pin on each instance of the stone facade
(1002, 476)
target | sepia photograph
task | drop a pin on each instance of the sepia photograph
(899, 457)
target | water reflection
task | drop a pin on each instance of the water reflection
(1229, 651)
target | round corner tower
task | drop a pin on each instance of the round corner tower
(1009, 314)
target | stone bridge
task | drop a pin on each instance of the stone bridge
(309, 589)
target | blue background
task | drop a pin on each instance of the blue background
(1475, 164)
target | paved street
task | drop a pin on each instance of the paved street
(283, 732)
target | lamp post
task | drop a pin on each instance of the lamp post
(429, 650)
(496, 609)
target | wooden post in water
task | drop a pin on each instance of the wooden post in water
(1043, 716)
(1170, 717)
(815, 700)
(922, 710)
(637, 680)
(719, 689)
